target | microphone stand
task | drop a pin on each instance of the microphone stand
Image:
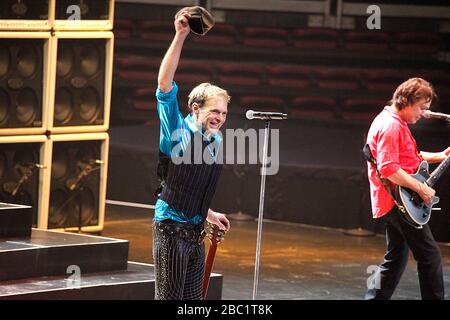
(261, 208)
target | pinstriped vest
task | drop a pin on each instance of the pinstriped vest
(189, 187)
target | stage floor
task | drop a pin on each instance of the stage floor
(297, 261)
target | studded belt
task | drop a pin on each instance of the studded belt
(188, 232)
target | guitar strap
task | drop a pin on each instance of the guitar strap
(385, 182)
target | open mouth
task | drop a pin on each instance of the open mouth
(214, 125)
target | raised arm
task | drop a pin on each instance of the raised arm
(170, 61)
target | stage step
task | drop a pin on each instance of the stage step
(51, 253)
(15, 220)
(137, 282)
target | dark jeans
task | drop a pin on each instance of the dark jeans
(400, 237)
(179, 265)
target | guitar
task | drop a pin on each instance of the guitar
(215, 235)
(416, 211)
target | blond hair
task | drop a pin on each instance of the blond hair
(203, 92)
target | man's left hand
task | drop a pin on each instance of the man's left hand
(447, 151)
(218, 219)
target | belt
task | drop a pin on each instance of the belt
(188, 232)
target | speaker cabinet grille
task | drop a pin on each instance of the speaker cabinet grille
(76, 189)
(80, 82)
(81, 87)
(19, 174)
(21, 83)
(26, 14)
(74, 197)
(89, 9)
(93, 15)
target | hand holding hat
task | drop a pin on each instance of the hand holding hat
(200, 20)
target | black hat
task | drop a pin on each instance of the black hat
(200, 20)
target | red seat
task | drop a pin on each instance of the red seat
(311, 114)
(386, 88)
(366, 41)
(385, 80)
(137, 75)
(264, 37)
(194, 72)
(315, 38)
(363, 104)
(263, 103)
(313, 103)
(145, 105)
(161, 31)
(139, 68)
(362, 109)
(329, 78)
(416, 42)
(144, 93)
(221, 34)
(123, 28)
(239, 74)
(437, 77)
(312, 107)
(288, 76)
(144, 99)
(136, 62)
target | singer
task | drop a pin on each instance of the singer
(397, 156)
(186, 190)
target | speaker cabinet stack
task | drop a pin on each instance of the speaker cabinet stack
(56, 60)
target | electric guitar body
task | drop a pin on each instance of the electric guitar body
(416, 212)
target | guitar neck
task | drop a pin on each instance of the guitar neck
(434, 177)
(208, 268)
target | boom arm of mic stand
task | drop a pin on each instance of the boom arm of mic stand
(87, 169)
(27, 173)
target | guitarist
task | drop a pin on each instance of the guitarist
(397, 156)
(187, 187)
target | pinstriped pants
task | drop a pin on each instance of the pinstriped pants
(179, 267)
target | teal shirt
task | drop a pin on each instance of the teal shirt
(170, 136)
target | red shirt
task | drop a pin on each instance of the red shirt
(394, 147)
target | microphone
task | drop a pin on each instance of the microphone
(436, 115)
(250, 114)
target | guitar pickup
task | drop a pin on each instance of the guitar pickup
(436, 209)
